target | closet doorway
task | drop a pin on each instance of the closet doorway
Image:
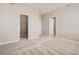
(23, 26)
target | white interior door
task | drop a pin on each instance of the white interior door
(51, 27)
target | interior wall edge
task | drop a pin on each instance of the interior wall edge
(3, 43)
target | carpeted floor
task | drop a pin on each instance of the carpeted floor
(41, 46)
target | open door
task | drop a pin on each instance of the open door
(52, 27)
(23, 26)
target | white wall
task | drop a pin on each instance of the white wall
(67, 21)
(45, 26)
(35, 25)
(10, 22)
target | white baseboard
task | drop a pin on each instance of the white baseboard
(8, 42)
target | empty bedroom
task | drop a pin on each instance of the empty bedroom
(39, 28)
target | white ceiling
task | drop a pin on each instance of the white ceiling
(44, 7)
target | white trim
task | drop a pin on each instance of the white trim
(28, 23)
(8, 42)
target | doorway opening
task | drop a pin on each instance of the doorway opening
(52, 27)
(23, 26)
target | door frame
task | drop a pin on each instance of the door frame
(54, 27)
(19, 24)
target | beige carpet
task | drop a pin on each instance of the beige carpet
(45, 46)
